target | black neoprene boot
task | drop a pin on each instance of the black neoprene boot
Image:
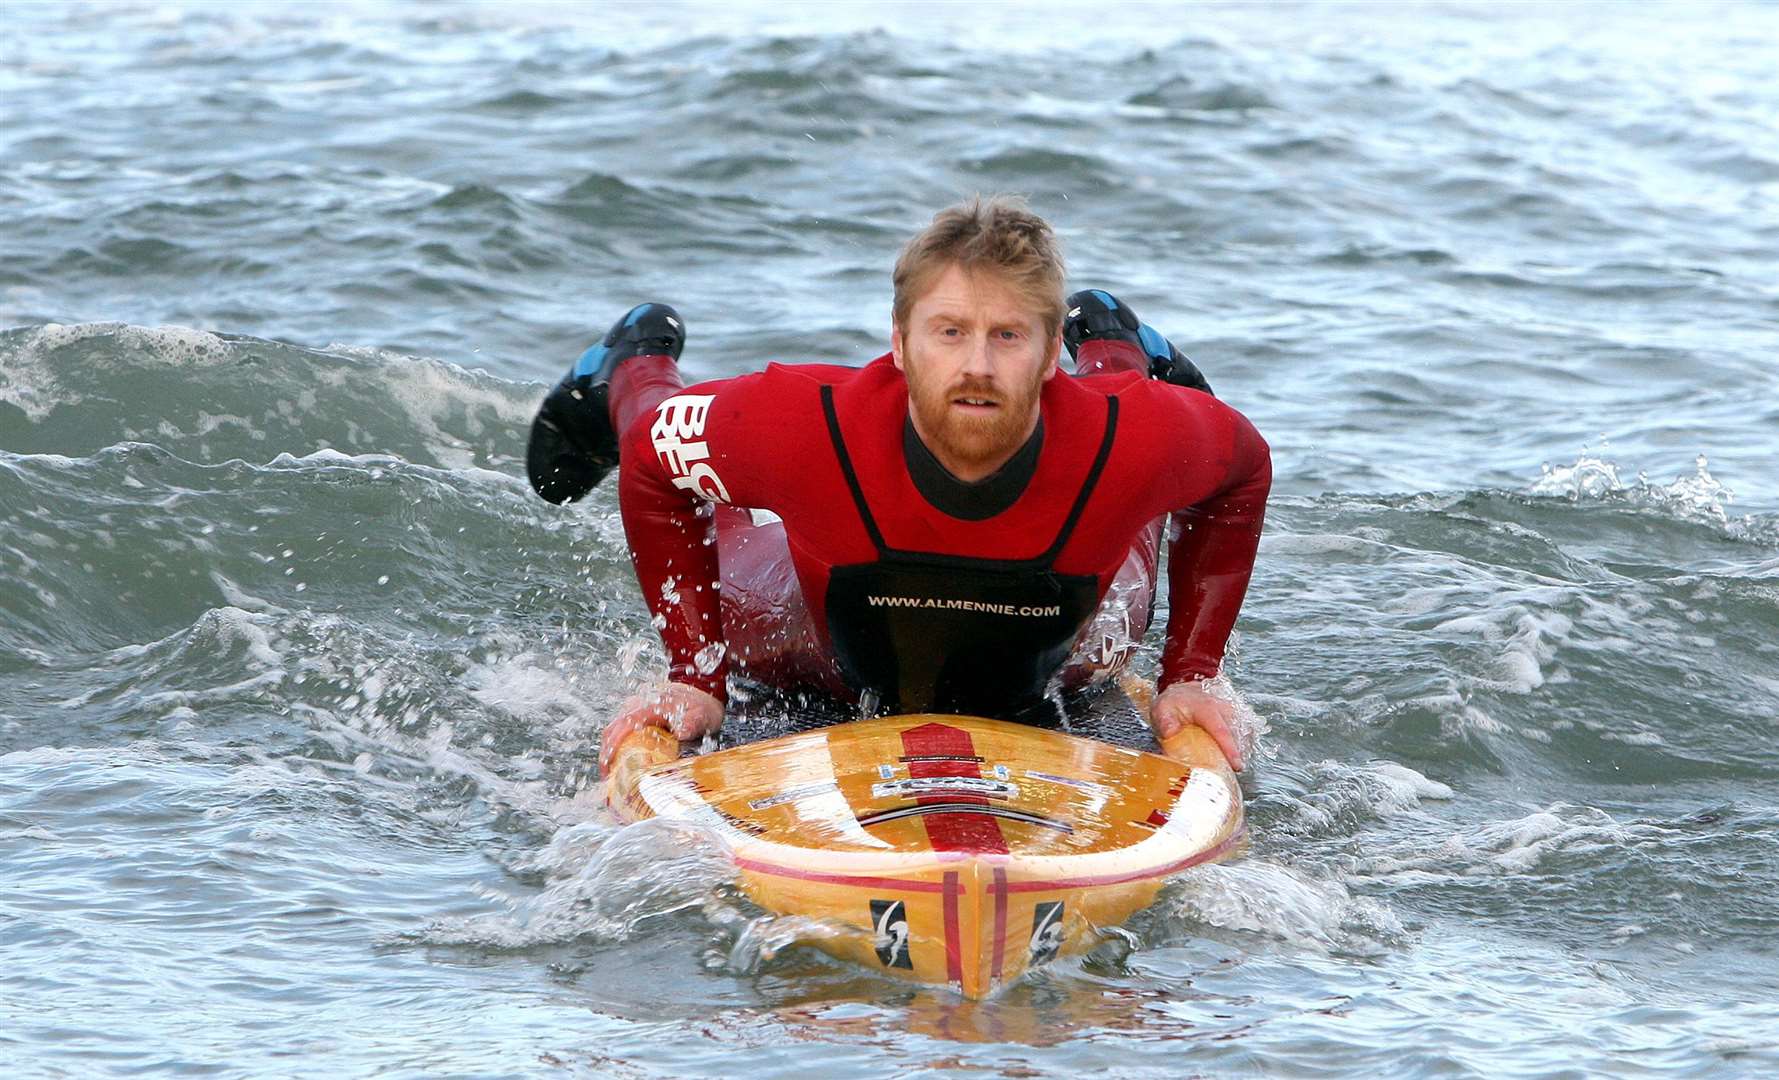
(1095, 314)
(573, 441)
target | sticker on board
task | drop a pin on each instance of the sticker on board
(889, 920)
(1046, 931)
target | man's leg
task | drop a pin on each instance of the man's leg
(783, 678)
(772, 640)
(574, 440)
(1107, 642)
(1104, 336)
(639, 386)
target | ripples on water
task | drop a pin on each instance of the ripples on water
(300, 686)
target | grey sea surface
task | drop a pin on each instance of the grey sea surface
(300, 686)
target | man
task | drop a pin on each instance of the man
(951, 516)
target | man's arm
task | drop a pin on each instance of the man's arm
(1211, 551)
(743, 441)
(748, 441)
(686, 453)
(679, 459)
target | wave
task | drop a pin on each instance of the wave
(213, 397)
(1186, 94)
(1593, 631)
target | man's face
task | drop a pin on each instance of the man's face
(976, 359)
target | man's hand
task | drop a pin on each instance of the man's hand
(687, 711)
(1193, 703)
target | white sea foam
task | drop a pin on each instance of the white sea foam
(28, 379)
(1317, 544)
(212, 696)
(209, 424)
(28, 382)
(1415, 602)
(538, 688)
(1340, 796)
(431, 391)
(1635, 738)
(1282, 902)
(231, 626)
(1408, 786)
(606, 885)
(1512, 846)
(238, 597)
(144, 751)
(1528, 637)
(173, 346)
(377, 463)
(327, 455)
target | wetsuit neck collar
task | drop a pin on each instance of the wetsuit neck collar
(970, 501)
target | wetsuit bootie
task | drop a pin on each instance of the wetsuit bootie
(573, 440)
(1097, 315)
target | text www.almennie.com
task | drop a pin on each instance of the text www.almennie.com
(963, 605)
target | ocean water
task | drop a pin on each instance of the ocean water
(300, 685)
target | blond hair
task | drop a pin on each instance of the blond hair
(997, 234)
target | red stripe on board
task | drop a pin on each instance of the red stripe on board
(952, 754)
(954, 958)
(893, 884)
(1114, 879)
(999, 888)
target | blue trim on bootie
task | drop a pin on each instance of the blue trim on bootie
(1154, 344)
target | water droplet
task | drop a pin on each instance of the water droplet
(709, 658)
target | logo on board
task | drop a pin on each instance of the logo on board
(1046, 931)
(890, 921)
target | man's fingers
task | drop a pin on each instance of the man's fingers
(637, 713)
(1215, 722)
(687, 712)
(1176, 708)
(1226, 742)
(615, 733)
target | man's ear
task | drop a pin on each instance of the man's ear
(896, 348)
(1051, 368)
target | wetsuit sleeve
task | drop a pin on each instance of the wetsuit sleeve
(713, 442)
(1212, 543)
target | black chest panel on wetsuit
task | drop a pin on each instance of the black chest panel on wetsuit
(943, 633)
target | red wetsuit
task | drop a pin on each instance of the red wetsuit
(868, 589)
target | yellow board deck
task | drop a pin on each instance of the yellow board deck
(965, 850)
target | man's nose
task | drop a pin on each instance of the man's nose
(979, 361)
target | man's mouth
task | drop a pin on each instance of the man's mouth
(969, 402)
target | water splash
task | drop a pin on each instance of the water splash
(604, 884)
(1338, 799)
(1272, 900)
(1698, 497)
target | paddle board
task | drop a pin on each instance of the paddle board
(966, 851)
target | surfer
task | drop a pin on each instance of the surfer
(949, 528)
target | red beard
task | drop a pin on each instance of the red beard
(972, 438)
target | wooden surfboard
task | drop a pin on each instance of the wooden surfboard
(964, 851)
